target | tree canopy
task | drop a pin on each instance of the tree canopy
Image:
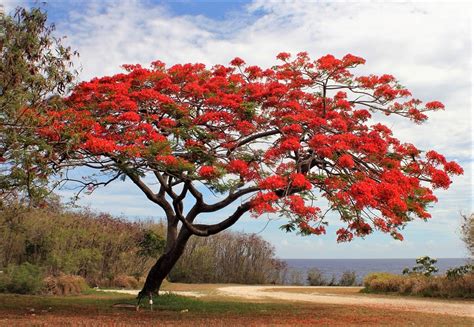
(34, 68)
(275, 139)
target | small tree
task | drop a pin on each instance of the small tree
(316, 277)
(467, 233)
(34, 67)
(266, 141)
(424, 266)
(348, 278)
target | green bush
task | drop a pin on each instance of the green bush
(23, 279)
(4, 281)
(457, 272)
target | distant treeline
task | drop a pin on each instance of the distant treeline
(39, 245)
(229, 257)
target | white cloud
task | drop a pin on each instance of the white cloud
(10, 5)
(427, 46)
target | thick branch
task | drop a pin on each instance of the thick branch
(228, 200)
(232, 219)
(253, 138)
(156, 198)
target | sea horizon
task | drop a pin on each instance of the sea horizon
(333, 268)
(433, 257)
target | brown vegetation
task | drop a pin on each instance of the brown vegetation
(229, 257)
(433, 286)
(64, 285)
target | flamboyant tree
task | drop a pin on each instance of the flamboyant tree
(266, 141)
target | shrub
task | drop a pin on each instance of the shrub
(229, 257)
(467, 233)
(432, 286)
(23, 279)
(376, 275)
(382, 282)
(460, 271)
(316, 277)
(64, 285)
(348, 278)
(4, 281)
(124, 281)
(296, 278)
(332, 281)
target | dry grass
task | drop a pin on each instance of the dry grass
(64, 285)
(124, 281)
(434, 286)
(96, 309)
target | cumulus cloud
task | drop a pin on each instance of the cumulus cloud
(427, 46)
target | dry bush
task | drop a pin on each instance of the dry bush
(315, 277)
(383, 282)
(124, 281)
(386, 285)
(462, 286)
(229, 257)
(409, 283)
(64, 285)
(428, 286)
(434, 286)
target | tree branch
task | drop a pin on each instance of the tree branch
(253, 138)
(228, 200)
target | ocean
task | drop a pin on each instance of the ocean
(361, 267)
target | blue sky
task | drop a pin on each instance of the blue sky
(427, 46)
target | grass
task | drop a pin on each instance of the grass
(419, 285)
(97, 308)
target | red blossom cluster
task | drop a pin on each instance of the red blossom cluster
(298, 128)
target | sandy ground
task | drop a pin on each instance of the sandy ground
(458, 308)
(251, 292)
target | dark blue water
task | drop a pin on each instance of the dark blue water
(362, 267)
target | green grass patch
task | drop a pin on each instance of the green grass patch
(177, 303)
(103, 301)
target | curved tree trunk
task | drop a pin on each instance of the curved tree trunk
(163, 266)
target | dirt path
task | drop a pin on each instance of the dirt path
(458, 308)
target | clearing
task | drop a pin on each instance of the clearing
(239, 305)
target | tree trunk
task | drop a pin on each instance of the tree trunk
(163, 266)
